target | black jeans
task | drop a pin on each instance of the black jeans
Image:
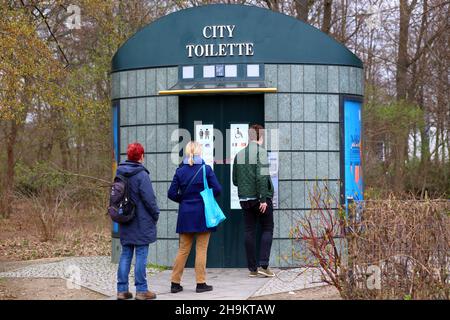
(252, 215)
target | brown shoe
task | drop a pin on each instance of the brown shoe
(124, 295)
(145, 295)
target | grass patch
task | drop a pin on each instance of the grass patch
(158, 267)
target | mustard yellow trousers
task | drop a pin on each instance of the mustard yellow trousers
(201, 248)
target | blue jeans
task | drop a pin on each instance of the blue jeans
(140, 274)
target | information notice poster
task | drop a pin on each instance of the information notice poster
(238, 141)
(273, 170)
(204, 134)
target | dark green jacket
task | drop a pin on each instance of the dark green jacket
(251, 173)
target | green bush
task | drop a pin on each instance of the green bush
(43, 180)
(39, 179)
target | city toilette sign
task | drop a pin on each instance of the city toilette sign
(221, 49)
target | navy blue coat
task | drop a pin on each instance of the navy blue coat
(142, 229)
(191, 212)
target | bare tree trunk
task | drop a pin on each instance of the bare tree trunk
(273, 5)
(402, 53)
(61, 137)
(443, 144)
(11, 140)
(442, 100)
(302, 7)
(45, 149)
(438, 142)
(65, 153)
(78, 159)
(424, 144)
(447, 172)
(326, 22)
(402, 87)
(343, 30)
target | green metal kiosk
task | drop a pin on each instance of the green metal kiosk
(220, 68)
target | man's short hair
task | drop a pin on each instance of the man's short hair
(255, 132)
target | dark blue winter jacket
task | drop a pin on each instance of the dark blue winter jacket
(142, 229)
(191, 212)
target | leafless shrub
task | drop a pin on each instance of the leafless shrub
(322, 232)
(408, 242)
(49, 210)
(396, 249)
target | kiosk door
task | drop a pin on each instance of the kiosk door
(223, 112)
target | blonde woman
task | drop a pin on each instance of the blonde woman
(185, 189)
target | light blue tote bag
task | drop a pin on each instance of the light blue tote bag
(213, 213)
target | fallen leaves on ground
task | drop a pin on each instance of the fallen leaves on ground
(81, 233)
(98, 244)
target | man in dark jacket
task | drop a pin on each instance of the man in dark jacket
(255, 191)
(141, 231)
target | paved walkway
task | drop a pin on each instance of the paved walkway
(228, 284)
(99, 274)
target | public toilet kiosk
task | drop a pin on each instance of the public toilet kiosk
(216, 69)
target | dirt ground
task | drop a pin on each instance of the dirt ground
(39, 288)
(43, 289)
(83, 232)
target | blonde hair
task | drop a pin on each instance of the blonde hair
(193, 148)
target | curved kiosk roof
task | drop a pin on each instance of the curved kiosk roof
(229, 34)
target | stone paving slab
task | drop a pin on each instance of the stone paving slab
(228, 284)
(95, 273)
(99, 274)
(291, 280)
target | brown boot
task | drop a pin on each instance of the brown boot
(124, 295)
(145, 295)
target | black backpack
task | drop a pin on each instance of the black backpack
(121, 208)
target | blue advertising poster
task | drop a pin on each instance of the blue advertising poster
(352, 147)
